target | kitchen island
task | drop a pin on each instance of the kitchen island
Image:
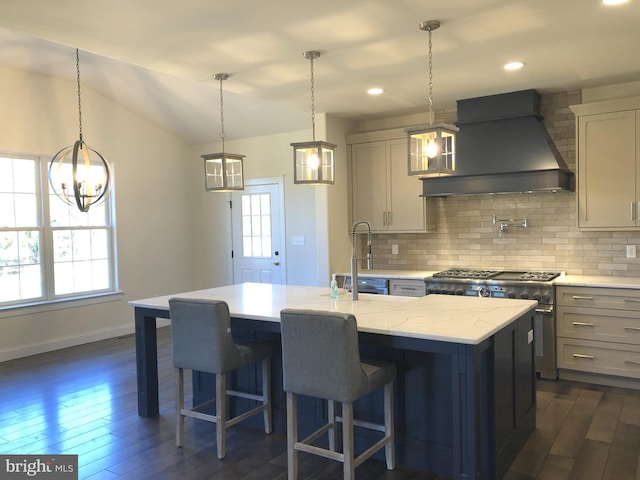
(465, 393)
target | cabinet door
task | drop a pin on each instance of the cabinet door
(369, 183)
(607, 177)
(406, 206)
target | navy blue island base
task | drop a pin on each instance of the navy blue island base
(462, 411)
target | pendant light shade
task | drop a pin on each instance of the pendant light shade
(79, 174)
(223, 172)
(432, 147)
(313, 162)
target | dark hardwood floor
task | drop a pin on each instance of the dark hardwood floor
(82, 400)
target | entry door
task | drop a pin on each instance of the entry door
(257, 217)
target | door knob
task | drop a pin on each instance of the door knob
(276, 263)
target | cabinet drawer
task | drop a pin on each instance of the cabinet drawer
(598, 324)
(599, 357)
(407, 288)
(614, 298)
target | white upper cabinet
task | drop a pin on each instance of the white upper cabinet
(608, 150)
(382, 192)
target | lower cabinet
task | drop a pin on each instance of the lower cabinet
(599, 330)
(407, 287)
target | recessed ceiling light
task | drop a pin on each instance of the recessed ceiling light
(375, 91)
(513, 65)
(614, 2)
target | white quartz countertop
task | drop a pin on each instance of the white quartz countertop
(468, 320)
(396, 274)
(598, 281)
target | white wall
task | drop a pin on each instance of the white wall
(310, 212)
(172, 235)
(153, 206)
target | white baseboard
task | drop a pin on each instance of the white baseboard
(20, 351)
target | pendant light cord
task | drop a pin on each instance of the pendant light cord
(430, 81)
(79, 97)
(222, 133)
(313, 101)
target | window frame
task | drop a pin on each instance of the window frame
(46, 231)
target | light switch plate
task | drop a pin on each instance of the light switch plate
(297, 241)
(394, 249)
(530, 336)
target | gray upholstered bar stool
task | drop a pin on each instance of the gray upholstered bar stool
(321, 359)
(201, 340)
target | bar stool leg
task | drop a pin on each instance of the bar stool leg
(221, 412)
(389, 427)
(266, 393)
(292, 436)
(331, 418)
(179, 378)
(347, 441)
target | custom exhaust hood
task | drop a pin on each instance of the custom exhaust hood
(502, 147)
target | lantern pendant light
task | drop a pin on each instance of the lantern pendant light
(78, 174)
(432, 147)
(313, 162)
(223, 172)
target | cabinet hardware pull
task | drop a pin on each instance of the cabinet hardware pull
(389, 218)
(579, 355)
(633, 213)
(581, 297)
(632, 328)
(632, 362)
(632, 300)
(384, 218)
(583, 324)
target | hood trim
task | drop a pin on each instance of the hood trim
(522, 182)
(502, 147)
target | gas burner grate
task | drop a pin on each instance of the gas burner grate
(465, 273)
(540, 276)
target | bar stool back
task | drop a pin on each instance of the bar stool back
(201, 340)
(321, 359)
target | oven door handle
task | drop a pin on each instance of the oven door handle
(544, 311)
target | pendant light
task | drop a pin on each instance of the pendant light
(313, 162)
(223, 172)
(431, 147)
(79, 174)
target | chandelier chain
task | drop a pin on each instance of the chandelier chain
(313, 101)
(79, 97)
(222, 132)
(430, 81)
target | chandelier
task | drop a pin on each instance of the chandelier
(79, 174)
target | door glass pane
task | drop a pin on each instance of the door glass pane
(256, 225)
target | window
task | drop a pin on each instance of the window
(48, 249)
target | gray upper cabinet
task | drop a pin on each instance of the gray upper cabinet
(608, 151)
(381, 190)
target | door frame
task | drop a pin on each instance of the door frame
(279, 181)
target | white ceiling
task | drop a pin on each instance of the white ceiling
(158, 56)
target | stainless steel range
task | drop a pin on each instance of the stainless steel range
(510, 284)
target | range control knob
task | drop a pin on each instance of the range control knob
(546, 298)
(460, 291)
(536, 296)
(524, 295)
(484, 292)
(511, 294)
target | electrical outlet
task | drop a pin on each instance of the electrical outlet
(394, 249)
(631, 251)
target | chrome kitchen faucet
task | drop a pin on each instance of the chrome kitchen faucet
(354, 258)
